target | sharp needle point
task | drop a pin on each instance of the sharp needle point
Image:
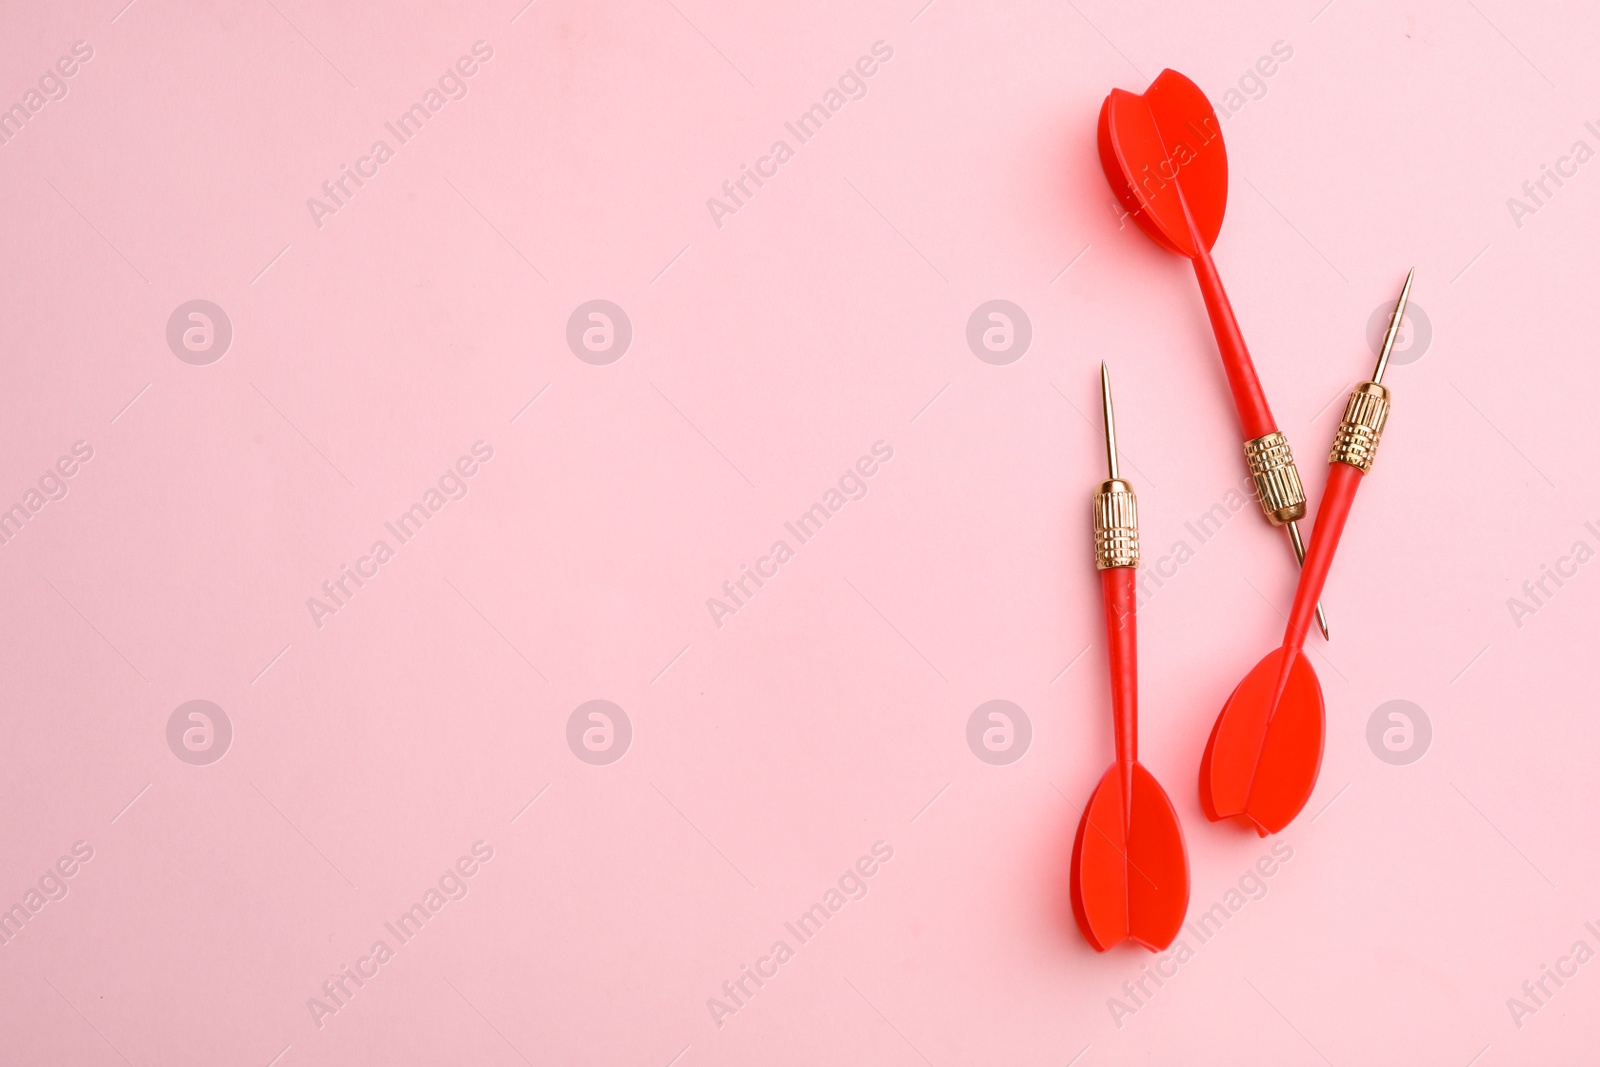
(1394, 327)
(1111, 426)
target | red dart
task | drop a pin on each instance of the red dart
(1262, 759)
(1130, 871)
(1162, 153)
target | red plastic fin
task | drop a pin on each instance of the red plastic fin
(1131, 885)
(1262, 761)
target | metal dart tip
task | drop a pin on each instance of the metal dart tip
(1110, 421)
(1394, 327)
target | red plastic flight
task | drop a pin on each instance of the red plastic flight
(1262, 759)
(1130, 870)
(1163, 154)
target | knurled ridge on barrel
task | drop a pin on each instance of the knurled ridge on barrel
(1283, 498)
(1361, 428)
(1116, 525)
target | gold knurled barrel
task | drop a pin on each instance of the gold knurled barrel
(1278, 487)
(1116, 525)
(1365, 412)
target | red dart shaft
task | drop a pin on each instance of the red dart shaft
(1120, 593)
(1343, 480)
(1354, 448)
(1254, 414)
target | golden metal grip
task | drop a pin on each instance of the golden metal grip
(1365, 412)
(1116, 525)
(1278, 487)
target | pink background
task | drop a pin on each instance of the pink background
(767, 355)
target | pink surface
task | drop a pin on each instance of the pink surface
(391, 743)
